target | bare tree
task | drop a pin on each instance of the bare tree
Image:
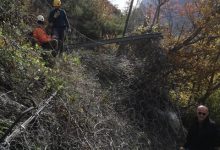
(156, 18)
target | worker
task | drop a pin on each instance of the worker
(42, 38)
(203, 134)
(58, 21)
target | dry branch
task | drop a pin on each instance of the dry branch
(24, 125)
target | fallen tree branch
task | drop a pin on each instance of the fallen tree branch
(14, 124)
(188, 40)
(24, 125)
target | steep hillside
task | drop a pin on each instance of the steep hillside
(105, 102)
(86, 99)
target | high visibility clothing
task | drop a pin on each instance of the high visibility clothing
(41, 36)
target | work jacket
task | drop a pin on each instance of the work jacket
(59, 22)
(202, 137)
(41, 36)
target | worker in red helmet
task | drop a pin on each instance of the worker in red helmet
(58, 21)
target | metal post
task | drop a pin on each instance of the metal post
(127, 19)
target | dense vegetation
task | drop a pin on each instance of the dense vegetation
(100, 101)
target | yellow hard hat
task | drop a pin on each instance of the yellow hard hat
(56, 3)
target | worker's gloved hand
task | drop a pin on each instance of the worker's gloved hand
(182, 148)
(69, 30)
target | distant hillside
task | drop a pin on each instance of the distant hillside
(169, 13)
(145, 2)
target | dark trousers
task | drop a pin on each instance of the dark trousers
(51, 45)
(59, 34)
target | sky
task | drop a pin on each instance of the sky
(121, 4)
